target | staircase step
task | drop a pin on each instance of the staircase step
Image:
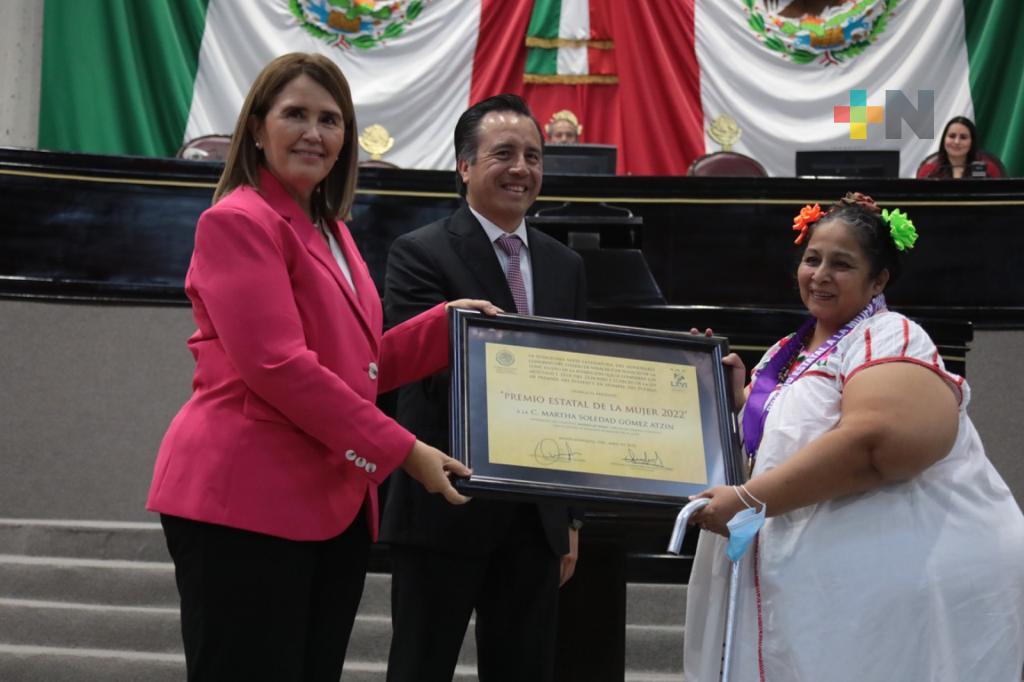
(25, 663)
(655, 604)
(90, 626)
(139, 583)
(126, 583)
(89, 581)
(154, 630)
(56, 664)
(85, 600)
(371, 641)
(655, 648)
(30, 622)
(357, 671)
(130, 541)
(376, 599)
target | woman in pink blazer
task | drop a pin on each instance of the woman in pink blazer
(266, 481)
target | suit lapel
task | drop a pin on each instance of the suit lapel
(366, 290)
(318, 247)
(470, 242)
(543, 266)
(279, 199)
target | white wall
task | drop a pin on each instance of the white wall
(995, 372)
(21, 48)
(87, 391)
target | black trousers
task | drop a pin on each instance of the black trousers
(514, 591)
(256, 607)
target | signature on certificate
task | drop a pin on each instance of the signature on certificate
(643, 458)
(550, 451)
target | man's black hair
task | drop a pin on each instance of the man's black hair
(467, 130)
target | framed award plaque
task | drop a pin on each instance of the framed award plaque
(547, 408)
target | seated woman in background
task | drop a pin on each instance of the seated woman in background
(892, 550)
(958, 149)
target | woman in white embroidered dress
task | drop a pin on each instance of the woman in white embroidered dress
(892, 551)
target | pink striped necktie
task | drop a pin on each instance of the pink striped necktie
(511, 244)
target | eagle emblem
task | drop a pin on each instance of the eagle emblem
(362, 24)
(824, 31)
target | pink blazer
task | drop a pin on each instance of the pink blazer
(281, 435)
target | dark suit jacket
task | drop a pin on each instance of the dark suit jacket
(446, 260)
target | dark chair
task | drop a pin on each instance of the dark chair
(206, 148)
(994, 160)
(929, 161)
(727, 164)
(932, 161)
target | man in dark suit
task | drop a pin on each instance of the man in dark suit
(504, 560)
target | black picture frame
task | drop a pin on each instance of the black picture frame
(552, 474)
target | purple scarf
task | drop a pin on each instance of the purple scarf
(763, 392)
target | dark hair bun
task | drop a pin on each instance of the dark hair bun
(858, 199)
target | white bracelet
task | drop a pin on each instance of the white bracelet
(736, 489)
(744, 487)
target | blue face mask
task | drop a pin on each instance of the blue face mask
(742, 529)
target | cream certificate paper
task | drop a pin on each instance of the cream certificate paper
(594, 414)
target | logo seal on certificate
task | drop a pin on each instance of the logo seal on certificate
(576, 410)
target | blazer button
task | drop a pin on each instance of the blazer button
(373, 371)
(350, 455)
(361, 462)
(370, 467)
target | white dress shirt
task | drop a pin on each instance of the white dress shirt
(339, 256)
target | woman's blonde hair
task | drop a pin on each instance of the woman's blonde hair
(333, 197)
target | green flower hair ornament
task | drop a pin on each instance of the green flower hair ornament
(901, 228)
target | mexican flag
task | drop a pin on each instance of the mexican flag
(782, 74)
(664, 80)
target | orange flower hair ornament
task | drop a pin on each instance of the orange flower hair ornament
(808, 214)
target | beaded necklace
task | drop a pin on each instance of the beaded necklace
(778, 373)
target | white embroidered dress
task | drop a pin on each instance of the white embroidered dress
(910, 582)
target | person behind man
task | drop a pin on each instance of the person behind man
(563, 128)
(505, 560)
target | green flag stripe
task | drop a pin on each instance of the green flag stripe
(544, 21)
(997, 88)
(117, 75)
(541, 61)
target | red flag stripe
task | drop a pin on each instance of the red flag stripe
(657, 96)
(500, 56)
(659, 86)
(601, 62)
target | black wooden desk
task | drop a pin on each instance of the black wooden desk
(81, 226)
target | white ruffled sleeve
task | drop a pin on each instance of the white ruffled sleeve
(891, 337)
